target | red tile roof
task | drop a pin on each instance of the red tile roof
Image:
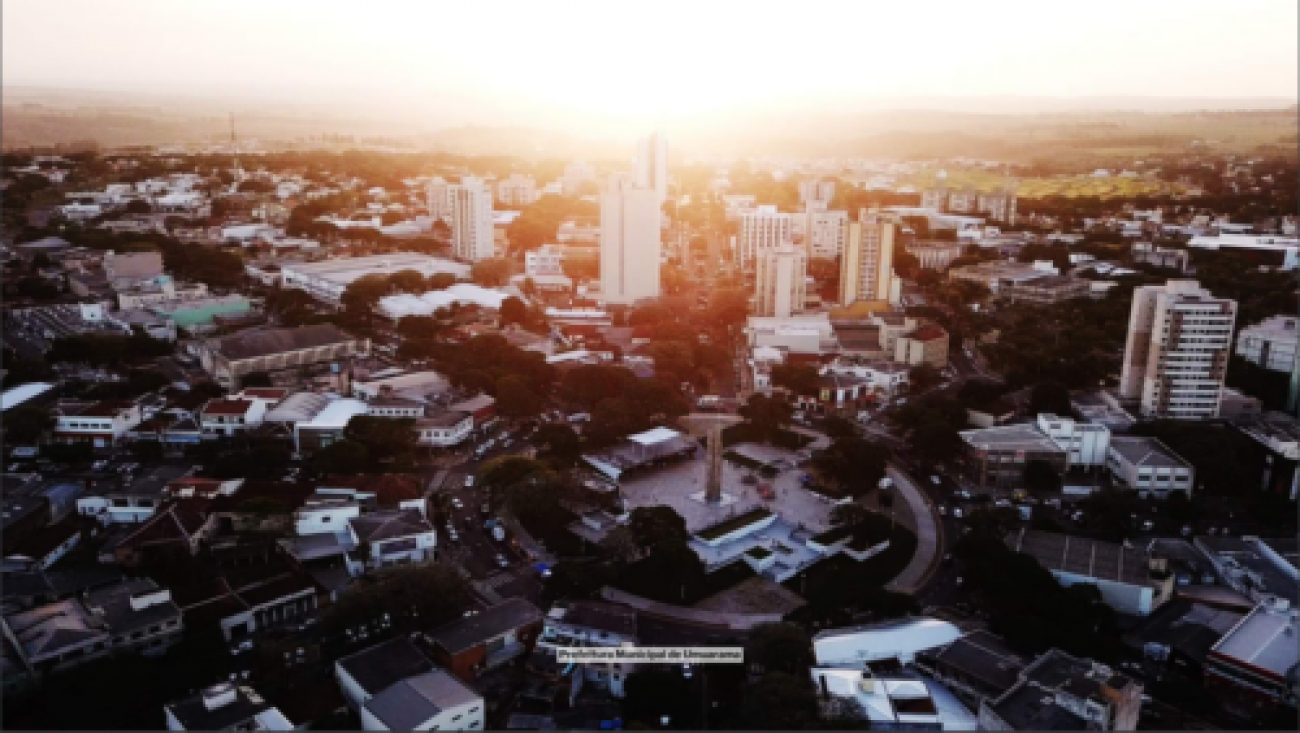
(928, 332)
(227, 407)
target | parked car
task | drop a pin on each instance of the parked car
(502, 561)
(469, 482)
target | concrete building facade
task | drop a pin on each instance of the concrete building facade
(471, 220)
(781, 282)
(1176, 353)
(629, 243)
(867, 267)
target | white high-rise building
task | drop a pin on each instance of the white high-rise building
(471, 220)
(867, 267)
(1176, 354)
(781, 281)
(816, 191)
(652, 165)
(439, 198)
(826, 232)
(1271, 343)
(517, 190)
(629, 242)
(762, 230)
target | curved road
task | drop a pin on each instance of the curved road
(929, 534)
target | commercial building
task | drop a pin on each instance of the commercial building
(889, 697)
(1061, 692)
(225, 706)
(228, 359)
(1086, 443)
(471, 220)
(925, 344)
(1271, 343)
(1288, 248)
(129, 269)
(998, 456)
(1252, 669)
(395, 686)
(900, 639)
(517, 190)
(816, 191)
(935, 254)
(1260, 569)
(1277, 436)
(101, 424)
(1130, 580)
(1149, 467)
(867, 266)
(629, 243)
(1045, 290)
(781, 281)
(825, 232)
(592, 624)
(762, 230)
(226, 417)
(999, 205)
(444, 429)
(999, 274)
(1176, 353)
(327, 279)
(494, 636)
(652, 166)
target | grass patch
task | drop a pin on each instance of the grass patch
(727, 526)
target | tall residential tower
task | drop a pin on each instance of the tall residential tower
(629, 242)
(782, 281)
(652, 165)
(1176, 353)
(471, 219)
(867, 267)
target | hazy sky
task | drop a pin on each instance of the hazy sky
(651, 60)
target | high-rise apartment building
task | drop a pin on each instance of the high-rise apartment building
(439, 192)
(629, 242)
(517, 190)
(652, 165)
(1176, 354)
(781, 281)
(816, 191)
(471, 220)
(762, 230)
(867, 267)
(825, 232)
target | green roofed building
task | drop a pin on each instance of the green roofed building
(198, 314)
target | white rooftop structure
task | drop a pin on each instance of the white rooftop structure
(900, 639)
(654, 436)
(298, 407)
(337, 414)
(1265, 639)
(399, 306)
(15, 396)
(890, 701)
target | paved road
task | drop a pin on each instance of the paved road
(929, 536)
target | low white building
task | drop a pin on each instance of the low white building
(395, 686)
(593, 624)
(1149, 467)
(226, 417)
(102, 424)
(225, 706)
(808, 334)
(327, 279)
(444, 429)
(899, 639)
(1088, 444)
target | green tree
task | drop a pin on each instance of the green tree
(363, 294)
(407, 281)
(388, 441)
(513, 310)
(26, 424)
(619, 544)
(515, 399)
(441, 280)
(491, 272)
(345, 457)
(800, 379)
(412, 597)
(1050, 397)
(652, 524)
(780, 701)
(558, 445)
(1041, 479)
(767, 414)
(854, 466)
(923, 377)
(779, 647)
(936, 442)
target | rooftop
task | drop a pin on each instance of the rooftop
(1010, 437)
(266, 342)
(219, 707)
(227, 407)
(490, 623)
(383, 665)
(414, 700)
(443, 419)
(1148, 452)
(1081, 556)
(381, 526)
(1265, 639)
(600, 616)
(983, 657)
(15, 396)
